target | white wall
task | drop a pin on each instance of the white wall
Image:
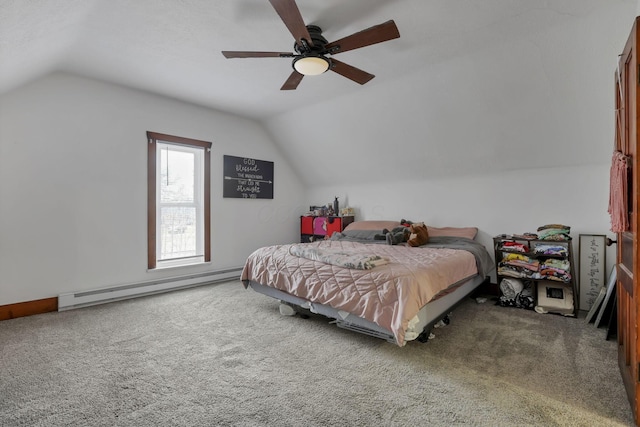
(511, 202)
(73, 187)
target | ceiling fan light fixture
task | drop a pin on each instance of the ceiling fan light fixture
(311, 65)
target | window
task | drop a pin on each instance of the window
(178, 180)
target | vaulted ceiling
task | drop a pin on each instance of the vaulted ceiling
(469, 87)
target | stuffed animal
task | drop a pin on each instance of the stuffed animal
(405, 222)
(419, 234)
(397, 235)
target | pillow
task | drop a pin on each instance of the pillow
(372, 225)
(468, 232)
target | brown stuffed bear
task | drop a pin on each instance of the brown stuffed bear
(419, 234)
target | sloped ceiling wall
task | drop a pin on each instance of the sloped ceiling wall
(543, 99)
(469, 87)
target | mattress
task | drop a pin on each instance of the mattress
(389, 295)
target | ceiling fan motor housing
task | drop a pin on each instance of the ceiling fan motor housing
(317, 39)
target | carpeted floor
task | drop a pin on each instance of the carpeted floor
(221, 355)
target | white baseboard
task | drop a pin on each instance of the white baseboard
(71, 300)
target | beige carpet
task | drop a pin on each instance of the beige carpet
(221, 355)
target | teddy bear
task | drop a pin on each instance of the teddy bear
(405, 222)
(397, 235)
(394, 236)
(419, 234)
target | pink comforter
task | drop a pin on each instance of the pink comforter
(389, 295)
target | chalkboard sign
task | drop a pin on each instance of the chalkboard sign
(246, 178)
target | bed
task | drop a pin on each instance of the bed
(394, 292)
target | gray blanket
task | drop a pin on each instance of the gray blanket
(483, 259)
(360, 236)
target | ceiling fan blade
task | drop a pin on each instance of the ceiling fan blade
(290, 15)
(247, 54)
(350, 72)
(293, 81)
(376, 34)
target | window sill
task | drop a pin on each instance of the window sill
(173, 265)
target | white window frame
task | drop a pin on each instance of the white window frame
(197, 204)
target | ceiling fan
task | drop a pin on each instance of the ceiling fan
(313, 53)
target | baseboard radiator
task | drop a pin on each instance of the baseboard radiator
(73, 300)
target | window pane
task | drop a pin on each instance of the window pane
(178, 232)
(178, 201)
(177, 175)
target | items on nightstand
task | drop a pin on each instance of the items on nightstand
(347, 212)
(322, 221)
(315, 227)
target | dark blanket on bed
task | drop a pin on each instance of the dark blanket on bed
(360, 236)
(483, 259)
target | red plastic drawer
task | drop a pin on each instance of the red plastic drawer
(320, 225)
(333, 224)
(306, 225)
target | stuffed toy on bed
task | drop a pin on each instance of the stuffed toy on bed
(397, 235)
(394, 236)
(405, 222)
(419, 234)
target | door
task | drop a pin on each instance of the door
(626, 141)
